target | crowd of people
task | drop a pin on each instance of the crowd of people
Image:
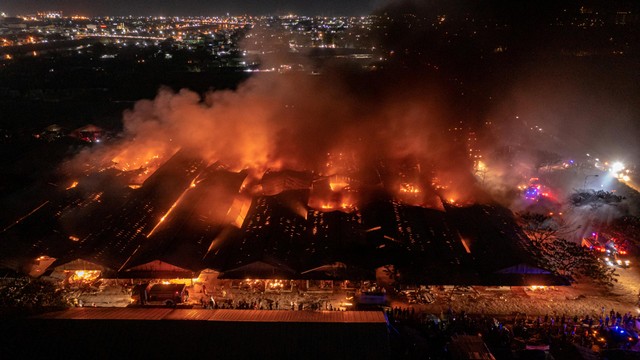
(607, 330)
(265, 304)
(248, 300)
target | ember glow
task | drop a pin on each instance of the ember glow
(73, 184)
(409, 188)
(84, 276)
(145, 162)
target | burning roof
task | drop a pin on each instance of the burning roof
(497, 246)
(121, 233)
(185, 236)
(420, 242)
(275, 182)
(186, 215)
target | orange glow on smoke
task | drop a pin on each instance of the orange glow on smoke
(127, 162)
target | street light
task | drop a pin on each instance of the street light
(584, 186)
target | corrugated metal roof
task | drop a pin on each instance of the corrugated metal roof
(189, 314)
(298, 316)
(87, 313)
(222, 315)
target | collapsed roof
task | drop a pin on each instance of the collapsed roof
(193, 216)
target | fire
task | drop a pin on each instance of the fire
(73, 184)
(438, 184)
(146, 162)
(466, 245)
(337, 183)
(80, 276)
(275, 284)
(409, 188)
(238, 211)
(122, 162)
(480, 166)
(173, 206)
(344, 201)
(345, 206)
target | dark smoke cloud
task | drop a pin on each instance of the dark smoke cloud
(402, 110)
(293, 120)
(276, 121)
(546, 76)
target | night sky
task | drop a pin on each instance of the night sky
(191, 7)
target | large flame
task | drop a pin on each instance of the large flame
(291, 121)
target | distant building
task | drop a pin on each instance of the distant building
(456, 133)
(88, 133)
(13, 22)
(472, 146)
(49, 14)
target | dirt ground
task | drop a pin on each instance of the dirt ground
(582, 298)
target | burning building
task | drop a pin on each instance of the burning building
(287, 172)
(181, 221)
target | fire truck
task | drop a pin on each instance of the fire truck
(613, 252)
(535, 190)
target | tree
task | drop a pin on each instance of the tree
(546, 159)
(540, 229)
(595, 199)
(543, 229)
(626, 228)
(570, 259)
(32, 293)
(562, 256)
